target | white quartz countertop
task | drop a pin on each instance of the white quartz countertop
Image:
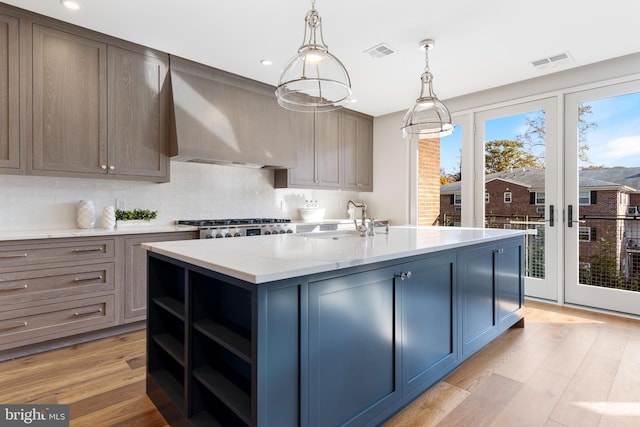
(90, 232)
(260, 259)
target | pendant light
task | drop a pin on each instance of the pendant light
(429, 118)
(314, 79)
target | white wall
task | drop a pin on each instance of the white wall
(196, 191)
(392, 171)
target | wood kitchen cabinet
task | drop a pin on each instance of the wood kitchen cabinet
(54, 292)
(335, 153)
(318, 159)
(55, 289)
(357, 151)
(69, 96)
(135, 271)
(12, 157)
(137, 111)
(99, 110)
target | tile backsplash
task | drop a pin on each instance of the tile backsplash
(196, 191)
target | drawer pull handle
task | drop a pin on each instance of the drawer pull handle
(78, 314)
(88, 250)
(15, 288)
(14, 326)
(77, 279)
(24, 255)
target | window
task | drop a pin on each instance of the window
(539, 198)
(586, 234)
(457, 224)
(486, 197)
(457, 199)
(507, 196)
(507, 226)
(584, 198)
(540, 210)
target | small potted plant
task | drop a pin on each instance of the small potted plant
(134, 218)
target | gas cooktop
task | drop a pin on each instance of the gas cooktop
(232, 221)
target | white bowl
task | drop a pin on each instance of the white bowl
(312, 214)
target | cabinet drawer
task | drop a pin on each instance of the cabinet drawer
(42, 285)
(25, 254)
(55, 320)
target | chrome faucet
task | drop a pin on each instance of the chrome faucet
(362, 228)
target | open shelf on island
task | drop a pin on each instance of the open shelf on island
(232, 341)
(232, 396)
(171, 305)
(171, 345)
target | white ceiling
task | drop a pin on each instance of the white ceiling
(479, 44)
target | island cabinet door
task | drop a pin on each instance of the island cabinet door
(352, 351)
(429, 347)
(477, 294)
(509, 274)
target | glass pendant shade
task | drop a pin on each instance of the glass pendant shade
(429, 117)
(314, 79)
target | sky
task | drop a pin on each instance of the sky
(614, 142)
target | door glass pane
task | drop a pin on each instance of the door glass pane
(609, 185)
(450, 179)
(515, 181)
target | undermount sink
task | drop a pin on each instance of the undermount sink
(333, 234)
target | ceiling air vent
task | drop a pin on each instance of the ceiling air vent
(380, 51)
(553, 60)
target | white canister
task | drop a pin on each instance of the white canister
(86, 214)
(109, 217)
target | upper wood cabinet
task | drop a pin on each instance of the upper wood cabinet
(336, 153)
(99, 109)
(69, 96)
(318, 157)
(327, 150)
(11, 158)
(357, 149)
(137, 106)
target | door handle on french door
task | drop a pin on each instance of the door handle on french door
(570, 216)
(551, 215)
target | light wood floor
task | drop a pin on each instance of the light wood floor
(565, 368)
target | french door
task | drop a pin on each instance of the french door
(519, 180)
(602, 198)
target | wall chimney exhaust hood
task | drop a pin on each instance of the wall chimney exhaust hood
(222, 118)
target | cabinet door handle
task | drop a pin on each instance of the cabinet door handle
(24, 255)
(77, 251)
(14, 326)
(103, 167)
(402, 275)
(111, 167)
(86, 279)
(87, 313)
(551, 215)
(15, 288)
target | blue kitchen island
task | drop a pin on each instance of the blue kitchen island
(322, 329)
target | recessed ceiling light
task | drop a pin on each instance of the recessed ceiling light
(353, 101)
(70, 4)
(266, 62)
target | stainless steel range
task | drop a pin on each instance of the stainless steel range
(222, 228)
